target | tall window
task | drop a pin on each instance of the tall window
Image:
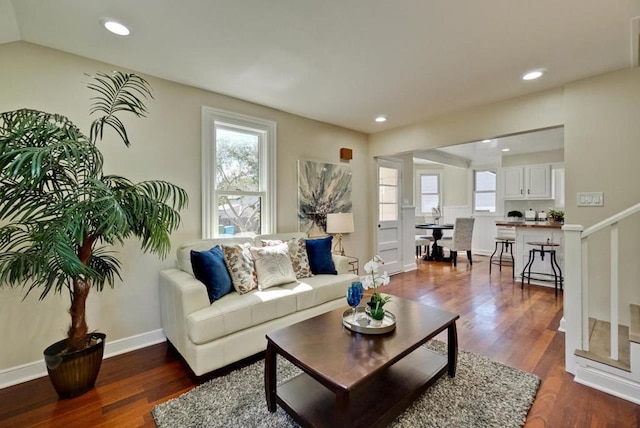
(238, 174)
(484, 191)
(429, 192)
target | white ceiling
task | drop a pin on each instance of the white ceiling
(343, 61)
(490, 152)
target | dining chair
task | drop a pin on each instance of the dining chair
(423, 242)
(422, 239)
(461, 240)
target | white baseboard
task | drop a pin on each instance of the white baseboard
(483, 252)
(409, 267)
(29, 371)
(599, 376)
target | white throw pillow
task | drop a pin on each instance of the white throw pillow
(273, 265)
(298, 253)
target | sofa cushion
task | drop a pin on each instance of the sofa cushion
(240, 265)
(235, 312)
(209, 268)
(319, 289)
(319, 251)
(298, 254)
(273, 265)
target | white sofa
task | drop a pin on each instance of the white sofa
(213, 335)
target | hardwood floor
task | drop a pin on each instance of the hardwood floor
(497, 319)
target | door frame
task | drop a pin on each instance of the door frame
(397, 165)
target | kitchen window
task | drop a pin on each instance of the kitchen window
(429, 188)
(238, 188)
(484, 191)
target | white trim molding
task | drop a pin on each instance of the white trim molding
(36, 369)
(268, 154)
(601, 377)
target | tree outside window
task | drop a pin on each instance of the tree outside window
(238, 181)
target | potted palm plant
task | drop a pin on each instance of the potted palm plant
(60, 214)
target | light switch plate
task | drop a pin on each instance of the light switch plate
(590, 199)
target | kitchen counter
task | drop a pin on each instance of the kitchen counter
(534, 231)
(544, 224)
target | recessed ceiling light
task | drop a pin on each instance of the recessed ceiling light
(506, 150)
(486, 141)
(115, 27)
(381, 119)
(533, 74)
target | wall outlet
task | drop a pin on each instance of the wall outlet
(590, 199)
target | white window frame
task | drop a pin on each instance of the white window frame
(493, 169)
(418, 196)
(212, 117)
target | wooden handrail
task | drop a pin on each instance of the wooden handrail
(577, 290)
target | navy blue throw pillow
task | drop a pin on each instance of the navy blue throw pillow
(209, 268)
(319, 252)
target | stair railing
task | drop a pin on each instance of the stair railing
(576, 294)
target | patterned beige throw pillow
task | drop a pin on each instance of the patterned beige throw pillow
(239, 262)
(273, 265)
(298, 253)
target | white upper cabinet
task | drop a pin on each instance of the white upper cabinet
(527, 182)
(513, 183)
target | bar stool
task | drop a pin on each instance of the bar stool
(506, 246)
(545, 248)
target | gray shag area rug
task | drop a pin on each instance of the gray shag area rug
(484, 393)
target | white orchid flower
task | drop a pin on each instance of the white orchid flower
(371, 267)
(367, 282)
(373, 279)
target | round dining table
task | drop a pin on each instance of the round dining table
(436, 253)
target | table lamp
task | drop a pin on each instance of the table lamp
(339, 223)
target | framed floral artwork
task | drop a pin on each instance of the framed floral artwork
(323, 188)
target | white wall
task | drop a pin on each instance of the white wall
(602, 153)
(165, 146)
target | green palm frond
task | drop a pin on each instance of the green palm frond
(59, 214)
(117, 92)
(39, 149)
(105, 266)
(41, 253)
(152, 209)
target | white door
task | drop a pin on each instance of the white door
(389, 243)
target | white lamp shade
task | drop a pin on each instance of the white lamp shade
(340, 223)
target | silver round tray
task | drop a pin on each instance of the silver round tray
(365, 324)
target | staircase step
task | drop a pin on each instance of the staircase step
(634, 324)
(600, 345)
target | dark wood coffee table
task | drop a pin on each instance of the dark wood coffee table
(352, 379)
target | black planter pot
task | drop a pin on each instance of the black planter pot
(74, 373)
